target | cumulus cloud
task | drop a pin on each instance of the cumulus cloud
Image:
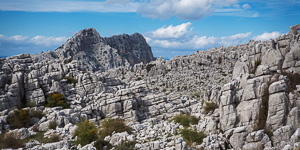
(172, 31)
(267, 36)
(11, 45)
(185, 9)
(171, 37)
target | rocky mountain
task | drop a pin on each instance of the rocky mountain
(92, 52)
(244, 97)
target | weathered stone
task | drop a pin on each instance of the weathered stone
(277, 111)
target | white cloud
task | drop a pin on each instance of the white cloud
(48, 41)
(18, 38)
(69, 5)
(165, 37)
(246, 6)
(267, 36)
(164, 9)
(17, 44)
(185, 9)
(172, 31)
(37, 40)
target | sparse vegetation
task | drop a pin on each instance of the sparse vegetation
(56, 99)
(54, 138)
(86, 132)
(100, 143)
(186, 120)
(196, 95)
(8, 140)
(70, 80)
(209, 106)
(52, 125)
(19, 119)
(149, 66)
(113, 125)
(36, 114)
(191, 136)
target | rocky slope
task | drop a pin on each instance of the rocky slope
(92, 52)
(255, 87)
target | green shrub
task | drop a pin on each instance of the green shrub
(56, 99)
(194, 120)
(86, 132)
(209, 106)
(52, 125)
(70, 80)
(186, 120)
(100, 143)
(263, 111)
(36, 114)
(129, 145)
(191, 136)
(19, 119)
(8, 140)
(149, 66)
(113, 125)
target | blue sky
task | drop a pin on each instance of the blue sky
(171, 27)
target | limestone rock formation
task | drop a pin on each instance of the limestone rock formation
(92, 52)
(246, 96)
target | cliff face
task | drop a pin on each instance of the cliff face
(92, 52)
(255, 87)
(132, 47)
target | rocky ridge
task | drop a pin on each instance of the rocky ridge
(92, 52)
(239, 79)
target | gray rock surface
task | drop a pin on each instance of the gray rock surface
(249, 84)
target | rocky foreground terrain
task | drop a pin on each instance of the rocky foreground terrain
(239, 97)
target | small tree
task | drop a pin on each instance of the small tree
(19, 119)
(57, 99)
(209, 106)
(86, 132)
(186, 120)
(191, 136)
(113, 125)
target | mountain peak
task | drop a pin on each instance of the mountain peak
(92, 52)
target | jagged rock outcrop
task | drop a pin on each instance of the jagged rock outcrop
(255, 88)
(92, 52)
